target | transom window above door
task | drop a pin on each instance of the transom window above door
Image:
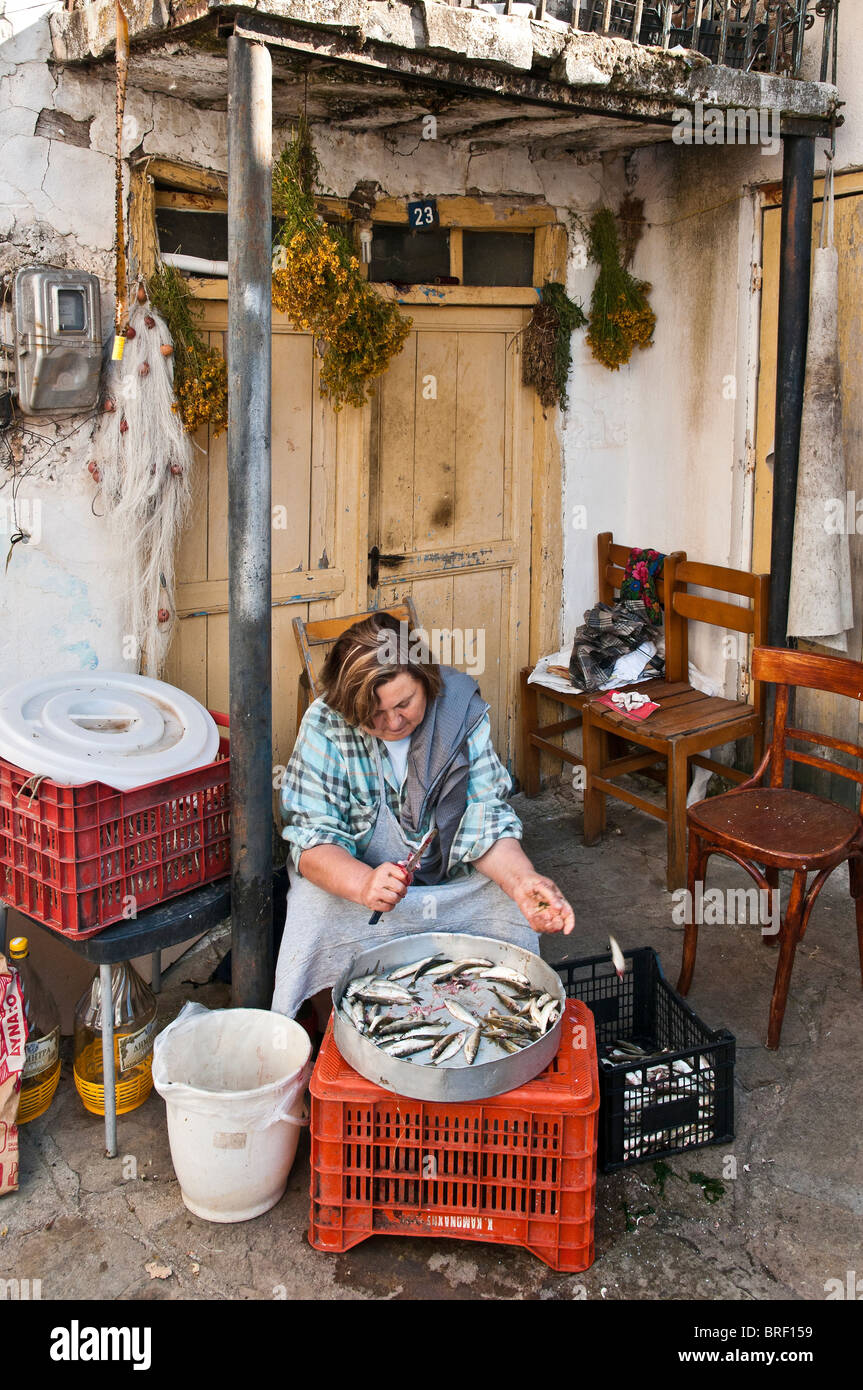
(451, 255)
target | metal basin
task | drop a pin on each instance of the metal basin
(459, 1083)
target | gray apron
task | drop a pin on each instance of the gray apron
(323, 932)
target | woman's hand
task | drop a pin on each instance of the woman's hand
(543, 904)
(385, 886)
(540, 900)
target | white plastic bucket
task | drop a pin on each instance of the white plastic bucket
(233, 1081)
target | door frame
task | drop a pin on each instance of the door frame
(208, 187)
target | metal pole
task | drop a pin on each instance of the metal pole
(250, 158)
(109, 1075)
(795, 255)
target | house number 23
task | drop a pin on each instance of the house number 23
(423, 214)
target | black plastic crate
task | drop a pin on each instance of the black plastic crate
(648, 1109)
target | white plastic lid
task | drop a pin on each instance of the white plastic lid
(104, 726)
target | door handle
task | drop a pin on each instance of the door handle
(377, 559)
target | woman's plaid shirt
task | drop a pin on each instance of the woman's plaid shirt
(330, 793)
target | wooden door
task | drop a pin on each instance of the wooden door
(833, 715)
(318, 535)
(450, 495)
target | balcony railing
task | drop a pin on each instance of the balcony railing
(754, 35)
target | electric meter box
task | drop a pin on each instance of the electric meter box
(58, 340)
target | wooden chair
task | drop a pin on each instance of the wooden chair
(688, 723)
(767, 823)
(611, 560)
(323, 632)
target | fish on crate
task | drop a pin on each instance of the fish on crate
(436, 1011)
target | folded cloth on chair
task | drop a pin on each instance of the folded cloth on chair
(607, 634)
(641, 575)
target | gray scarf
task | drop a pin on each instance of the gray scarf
(438, 766)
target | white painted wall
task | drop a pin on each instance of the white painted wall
(61, 599)
(657, 451)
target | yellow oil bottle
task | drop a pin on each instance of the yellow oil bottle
(42, 1061)
(134, 1007)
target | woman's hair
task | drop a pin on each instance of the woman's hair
(365, 657)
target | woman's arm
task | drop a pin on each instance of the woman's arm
(537, 897)
(337, 871)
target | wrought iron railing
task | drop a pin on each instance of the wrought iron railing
(754, 35)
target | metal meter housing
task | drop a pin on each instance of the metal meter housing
(58, 340)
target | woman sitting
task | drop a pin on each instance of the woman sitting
(393, 749)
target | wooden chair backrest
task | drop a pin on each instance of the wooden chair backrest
(324, 631)
(837, 674)
(685, 607)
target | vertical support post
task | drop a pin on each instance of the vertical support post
(795, 256)
(250, 158)
(109, 1074)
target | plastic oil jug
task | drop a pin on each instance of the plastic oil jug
(133, 1005)
(42, 1063)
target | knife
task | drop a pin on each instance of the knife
(409, 865)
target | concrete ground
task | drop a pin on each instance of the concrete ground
(786, 1224)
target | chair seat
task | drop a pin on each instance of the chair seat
(683, 711)
(778, 826)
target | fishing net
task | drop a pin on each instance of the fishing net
(142, 461)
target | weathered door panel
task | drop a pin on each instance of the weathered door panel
(450, 490)
(316, 459)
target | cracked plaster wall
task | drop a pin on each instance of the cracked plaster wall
(61, 602)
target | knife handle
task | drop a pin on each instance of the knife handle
(375, 918)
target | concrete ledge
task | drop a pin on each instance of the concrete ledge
(514, 56)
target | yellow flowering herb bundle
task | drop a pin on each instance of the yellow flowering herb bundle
(620, 315)
(200, 371)
(318, 283)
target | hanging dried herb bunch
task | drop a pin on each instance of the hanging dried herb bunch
(317, 282)
(547, 347)
(620, 316)
(200, 371)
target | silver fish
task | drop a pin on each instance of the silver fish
(415, 1028)
(461, 1014)
(548, 1015)
(406, 1047)
(519, 1026)
(356, 985)
(469, 965)
(506, 975)
(384, 994)
(354, 1011)
(379, 1022)
(471, 1046)
(452, 1047)
(436, 971)
(617, 958)
(405, 971)
(505, 999)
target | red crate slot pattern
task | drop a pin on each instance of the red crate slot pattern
(517, 1169)
(74, 857)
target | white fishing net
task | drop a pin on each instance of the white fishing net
(143, 457)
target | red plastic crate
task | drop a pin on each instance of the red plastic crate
(517, 1169)
(72, 857)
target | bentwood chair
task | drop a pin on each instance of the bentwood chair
(762, 822)
(688, 723)
(536, 738)
(323, 632)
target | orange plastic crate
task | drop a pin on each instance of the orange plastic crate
(74, 857)
(517, 1169)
